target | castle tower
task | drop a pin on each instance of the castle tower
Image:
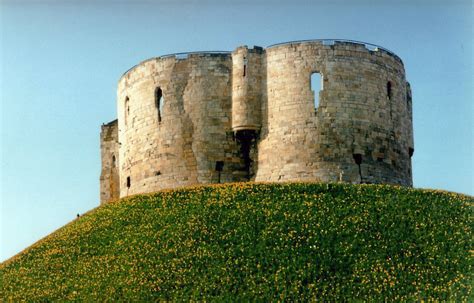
(253, 114)
(361, 130)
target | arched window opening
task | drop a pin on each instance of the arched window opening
(159, 102)
(316, 87)
(126, 109)
(389, 90)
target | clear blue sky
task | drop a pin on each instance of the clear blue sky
(60, 64)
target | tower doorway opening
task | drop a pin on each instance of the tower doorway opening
(246, 138)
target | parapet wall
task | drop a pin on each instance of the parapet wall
(250, 115)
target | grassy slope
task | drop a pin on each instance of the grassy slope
(269, 241)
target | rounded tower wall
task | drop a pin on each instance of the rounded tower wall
(247, 87)
(357, 116)
(177, 139)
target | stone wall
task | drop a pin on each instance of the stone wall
(356, 116)
(250, 115)
(248, 78)
(109, 176)
(194, 137)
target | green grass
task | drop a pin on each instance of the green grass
(264, 242)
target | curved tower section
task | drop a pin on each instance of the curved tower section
(174, 125)
(359, 132)
(248, 76)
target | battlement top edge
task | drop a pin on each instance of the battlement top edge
(328, 42)
(332, 41)
(183, 55)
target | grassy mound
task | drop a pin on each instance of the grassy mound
(256, 241)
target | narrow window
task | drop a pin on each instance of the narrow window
(357, 158)
(245, 66)
(127, 109)
(358, 161)
(219, 165)
(129, 183)
(411, 151)
(389, 90)
(408, 98)
(316, 87)
(113, 160)
(159, 102)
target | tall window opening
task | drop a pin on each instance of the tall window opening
(129, 183)
(127, 109)
(113, 160)
(389, 90)
(245, 66)
(159, 102)
(316, 87)
(358, 161)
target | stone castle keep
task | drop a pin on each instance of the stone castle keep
(254, 114)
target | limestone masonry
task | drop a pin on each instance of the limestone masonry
(252, 114)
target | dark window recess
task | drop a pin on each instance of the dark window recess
(411, 151)
(219, 167)
(159, 102)
(127, 109)
(113, 160)
(389, 90)
(357, 158)
(316, 87)
(157, 173)
(358, 161)
(245, 67)
(129, 183)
